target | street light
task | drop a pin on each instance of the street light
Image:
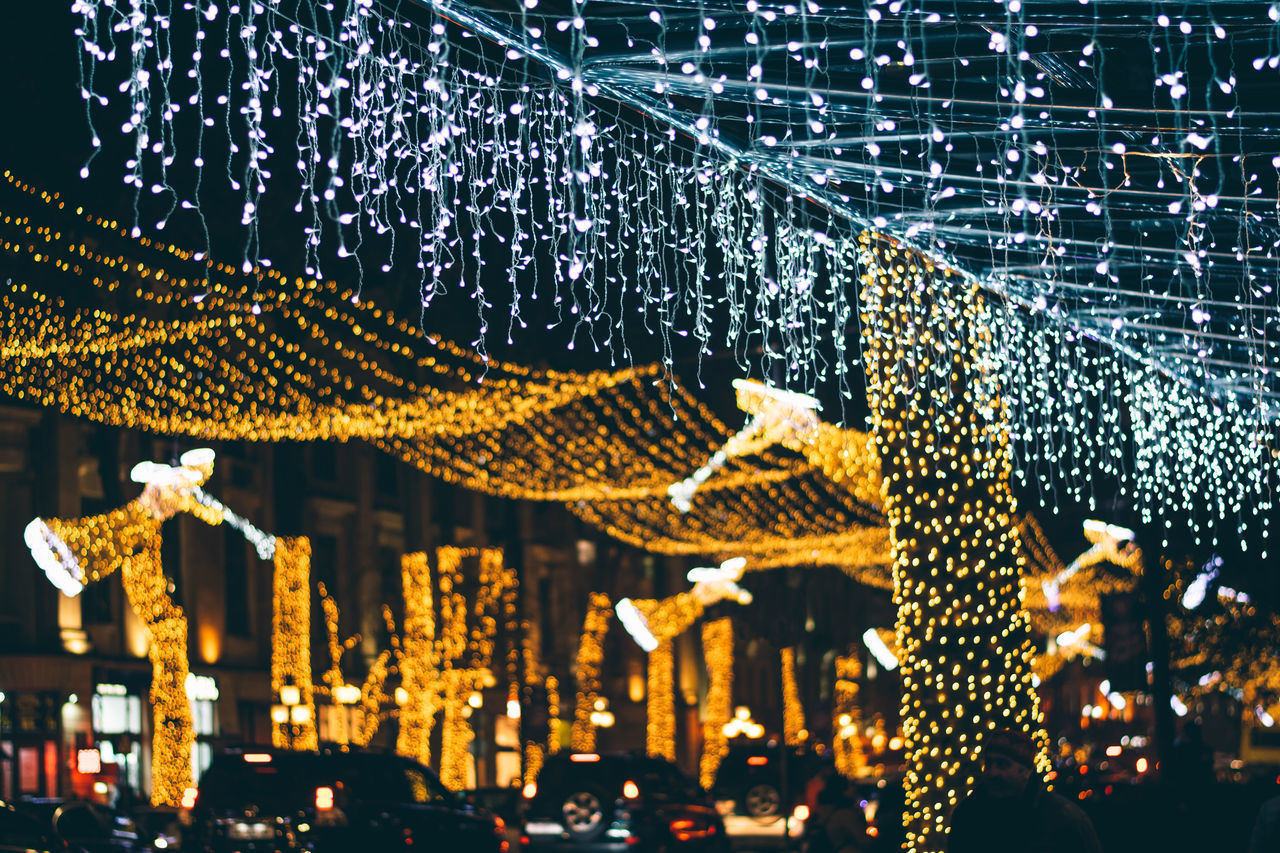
(742, 724)
(290, 713)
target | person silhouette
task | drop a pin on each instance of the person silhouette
(1010, 811)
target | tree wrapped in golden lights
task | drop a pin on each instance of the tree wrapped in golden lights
(943, 441)
(590, 658)
(358, 709)
(441, 666)
(291, 642)
(418, 664)
(793, 731)
(847, 718)
(717, 652)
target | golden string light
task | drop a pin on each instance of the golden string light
(847, 718)
(595, 625)
(793, 730)
(225, 354)
(291, 641)
(553, 714)
(717, 652)
(418, 663)
(660, 726)
(943, 443)
(358, 725)
(443, 661)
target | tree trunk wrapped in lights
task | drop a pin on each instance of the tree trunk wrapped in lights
(943, 440)
(291, 640)
(418, 666)
(660, 727)
(717, 651)
(847, 740)
(590, 658)
(793, 731)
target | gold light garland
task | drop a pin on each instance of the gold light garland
(595, 625)
(291, 640)
(847, 718)
(553, 714)
(418, 663)
(358, 724)
(660, 727)
(793, 730)
(717, 651)
(943, 443)
(263, 357)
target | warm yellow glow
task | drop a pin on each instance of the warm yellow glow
(291, 642)
(660, 728)
(792, 711)
(590, 658)
(419, 663)
(717, 652)
(847, 734)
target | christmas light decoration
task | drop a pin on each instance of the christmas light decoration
(80, 551)
(963, 638)
(847, 718)
(793, 731)
(418, 665)
(620, 438)
(660, 137)
(660, 721)
(717, 653)
(783, 412)
(552, 685)
(595, 626)
(444, 661)
(291, 642)
(359, 708)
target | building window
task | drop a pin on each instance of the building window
(117, 729)
(237, 583)
(202, 692)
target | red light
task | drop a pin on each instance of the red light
(872, 831)
(758, 760)
(324, 798)
(1107, 790)
(677, 825)
(584, 756)
(524, 841)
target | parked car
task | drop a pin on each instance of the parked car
(263, 800)
(83, 826)
(618, 802)
(22, 833)
(751, 778)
